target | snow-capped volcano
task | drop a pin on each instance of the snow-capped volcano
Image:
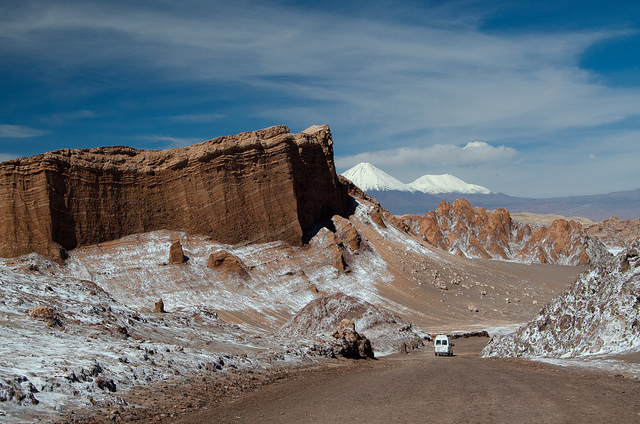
(446, 183)
(368, 177)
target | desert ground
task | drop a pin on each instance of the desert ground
(403, 388)
(413, 387)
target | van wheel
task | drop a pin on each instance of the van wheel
(436, 353)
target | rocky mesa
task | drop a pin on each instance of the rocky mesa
(252, 187)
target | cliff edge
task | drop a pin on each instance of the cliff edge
(256, 186)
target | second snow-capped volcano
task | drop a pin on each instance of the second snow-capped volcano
(369, 178)
(446, 183)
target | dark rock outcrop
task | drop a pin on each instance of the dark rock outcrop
(48, 315)
(159, 307)
(252, 187)
(351, 345)
(320, 318)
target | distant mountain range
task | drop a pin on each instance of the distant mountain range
(426, 193)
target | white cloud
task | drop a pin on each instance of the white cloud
(393, 78)
(19, 131)
(411, 95)
(420, 160)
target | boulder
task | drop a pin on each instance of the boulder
(176, 254)
(159, 307)
(351, 344)
(48, 315)
(225, 261)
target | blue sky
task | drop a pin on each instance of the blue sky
(537, 99)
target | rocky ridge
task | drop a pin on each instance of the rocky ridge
(616, 234)
(252, 187)
(598, 314)
(475, 232)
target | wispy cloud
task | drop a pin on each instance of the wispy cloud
(471, 155)
(199, 117)
(19, 131)
(370, 71)
(62, 118)
(170, 142)
(395, 94)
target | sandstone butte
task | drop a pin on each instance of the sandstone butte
(257, 186)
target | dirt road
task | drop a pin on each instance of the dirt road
(420, 387)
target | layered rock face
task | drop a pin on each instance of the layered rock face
(478, 233)
(252, 187)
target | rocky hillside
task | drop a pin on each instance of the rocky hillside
(475, 232)
(616, 234)
(386, 330)
(252, 187)
(598, 314)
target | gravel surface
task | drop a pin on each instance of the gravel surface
(420, 387)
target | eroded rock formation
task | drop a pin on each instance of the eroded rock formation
(321, 317)
(159, 307)
(598, 314)
(491, 234)
(225, 261)
(252, 187)
(616, 234)
(352, 344)
(176, 254)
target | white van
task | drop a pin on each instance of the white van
(443, 345)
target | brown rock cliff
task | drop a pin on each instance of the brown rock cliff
(252, 187)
